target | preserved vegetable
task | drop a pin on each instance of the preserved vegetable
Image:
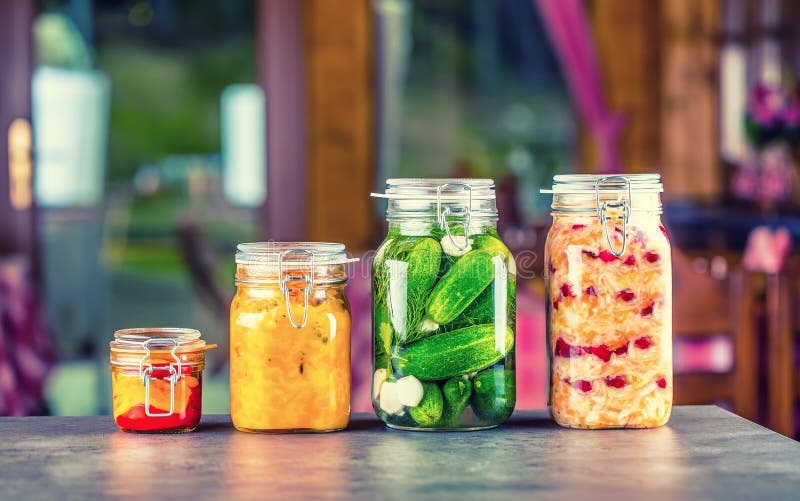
(290, 346)
(443, 308)
(609, 319)
(157, 379)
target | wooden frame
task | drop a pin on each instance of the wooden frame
(706, 307)
(782, 374)
(316, 66)
(339, 90)
(659, 61)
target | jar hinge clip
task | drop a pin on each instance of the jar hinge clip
(307, 278)
(441, 214)
(146, 375)
(625, 205)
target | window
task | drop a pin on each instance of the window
(471, 88)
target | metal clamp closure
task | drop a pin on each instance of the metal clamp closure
(174, 369)
(625, 205)
(285, 284)
(465, 213)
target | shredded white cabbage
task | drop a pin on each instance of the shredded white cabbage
(598, 300)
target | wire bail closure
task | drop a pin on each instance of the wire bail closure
(466, 212)
(146, 375)
(307, 278)
(624, 205)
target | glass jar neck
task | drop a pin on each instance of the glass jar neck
(587, 204)
(291, 265)
(266, 274)
(427, 226)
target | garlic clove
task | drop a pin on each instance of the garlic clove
(377, 382)
(450, 248)
(409, 391)
(389, 398)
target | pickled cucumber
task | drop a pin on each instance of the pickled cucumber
(456, 392)
(429, 410)
(494, 394)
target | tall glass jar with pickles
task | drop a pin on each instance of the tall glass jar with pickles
(444, 299)
(290, 338)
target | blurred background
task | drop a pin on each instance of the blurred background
(141, 140)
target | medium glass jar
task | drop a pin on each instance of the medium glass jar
(444, 296)
(608, 279)
(157, 379)
(290, 338)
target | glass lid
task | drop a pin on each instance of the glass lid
(590, 183)
(292, 254)
(439, 197)
(157, 338)
(438, 188)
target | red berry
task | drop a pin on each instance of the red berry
(600, 352)
(616, 381)
(626, 295)
(622, 350)
(583, 385)
(647, 310)
(562, 348)
(590, 291)
(651, 257)
(630, 261)
(643, 343)
(566, 290)
(578, 226)
(555, 303)
(607, 256)
(590, 254)
(661, 382)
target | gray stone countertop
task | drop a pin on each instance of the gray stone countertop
(703, 453)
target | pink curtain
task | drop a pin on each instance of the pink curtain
(26, 351)
(568, 26)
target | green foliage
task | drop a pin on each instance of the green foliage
(166, 102)
(420, 257)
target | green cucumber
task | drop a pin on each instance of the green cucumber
(460, 286)
(483, 310)
(423, 259)
(491, 244)
(457, 391)
(453, 353)
(429, 410)
(494, 394)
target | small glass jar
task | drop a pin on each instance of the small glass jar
(608, 279)
(290, 338)
(157, 379)
(444, 296)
